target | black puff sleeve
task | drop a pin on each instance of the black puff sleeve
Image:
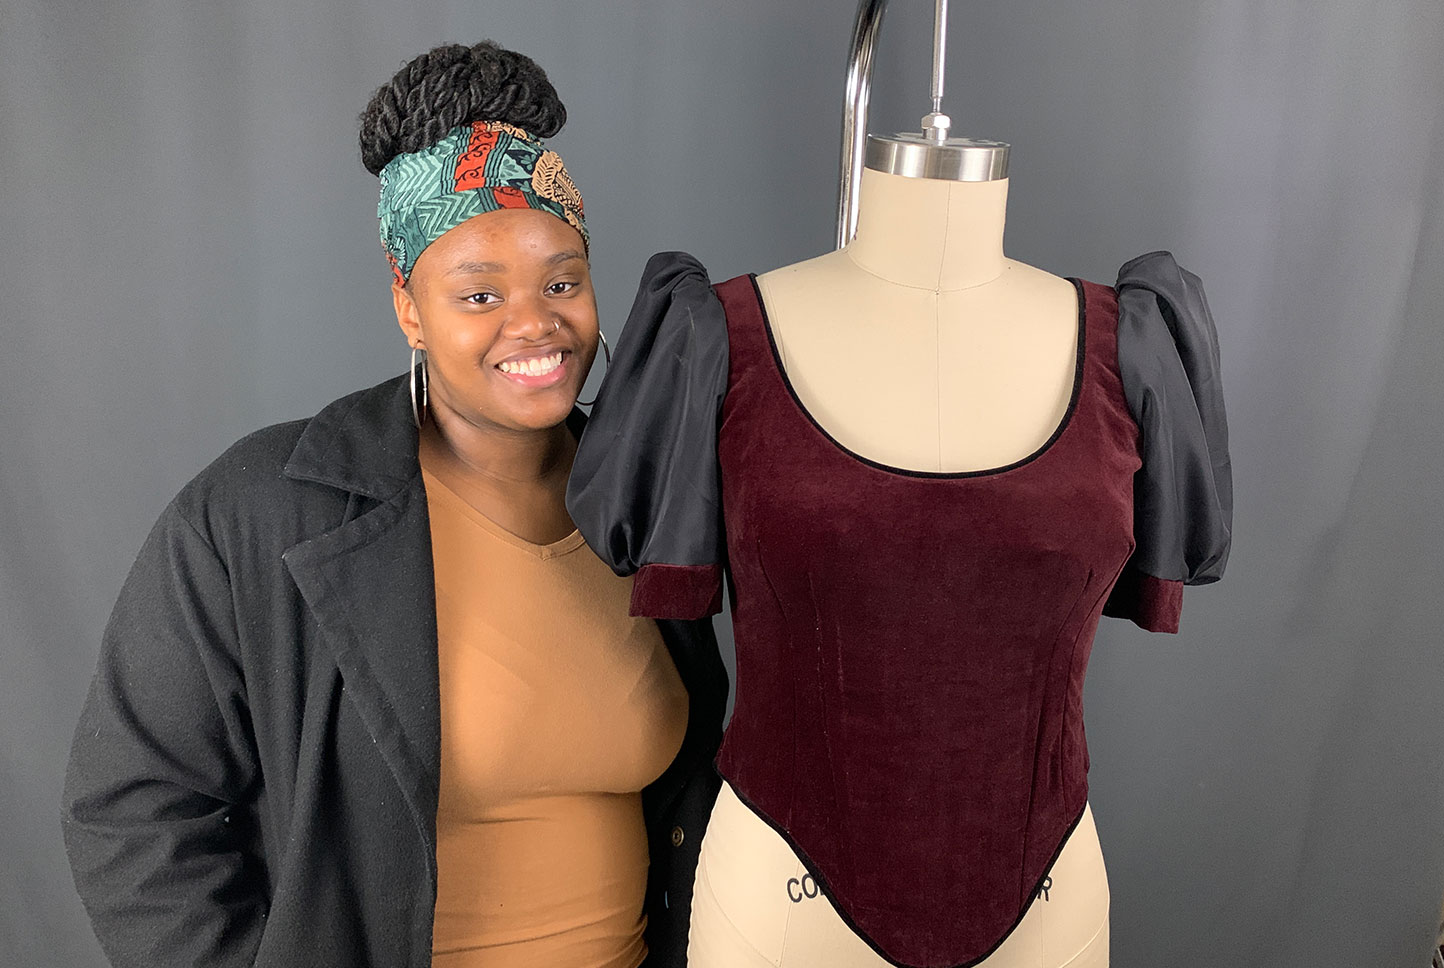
(645, 489)
(1183, 494)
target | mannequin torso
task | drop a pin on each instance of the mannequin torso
(921, 347)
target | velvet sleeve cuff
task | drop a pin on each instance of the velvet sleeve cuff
(1153, 604)
(677, 591)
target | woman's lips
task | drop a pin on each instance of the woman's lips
(536, 372)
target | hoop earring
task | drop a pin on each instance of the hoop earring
(608, 351)
(418, 412)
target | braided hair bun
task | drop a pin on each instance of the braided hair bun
(452, 85)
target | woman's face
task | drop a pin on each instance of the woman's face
(503, 306)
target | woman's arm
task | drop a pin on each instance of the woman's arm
(163, 767)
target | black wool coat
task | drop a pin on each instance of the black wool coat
(254, 778)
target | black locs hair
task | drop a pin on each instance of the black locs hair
(454, 84)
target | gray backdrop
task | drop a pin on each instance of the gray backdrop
(189, 252)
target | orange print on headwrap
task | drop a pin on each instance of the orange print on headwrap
(509, 197)
(472, 163)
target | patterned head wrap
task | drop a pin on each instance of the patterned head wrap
(479, 167)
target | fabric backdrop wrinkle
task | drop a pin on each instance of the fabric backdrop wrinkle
(191, 253)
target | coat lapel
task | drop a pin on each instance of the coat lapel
(369, 584)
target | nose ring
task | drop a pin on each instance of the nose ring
(556, 326)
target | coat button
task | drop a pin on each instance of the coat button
(678, 836)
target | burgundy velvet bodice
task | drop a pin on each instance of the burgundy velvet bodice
(911, 646)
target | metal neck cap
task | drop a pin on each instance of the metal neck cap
(955, 159)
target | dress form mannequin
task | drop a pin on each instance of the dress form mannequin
(918, 346)
(926, 473)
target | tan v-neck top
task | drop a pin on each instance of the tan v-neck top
(556, 709)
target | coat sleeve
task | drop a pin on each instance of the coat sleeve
(645, 487)
(1168, 359)
(162, 766)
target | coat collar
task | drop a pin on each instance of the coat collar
(366, 442)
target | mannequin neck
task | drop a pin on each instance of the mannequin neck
(927, 233)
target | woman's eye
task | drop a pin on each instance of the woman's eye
(481, 298)
(557, 288)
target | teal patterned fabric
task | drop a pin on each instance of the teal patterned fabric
(480, 167)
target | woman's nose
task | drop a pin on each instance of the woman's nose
(529, 319)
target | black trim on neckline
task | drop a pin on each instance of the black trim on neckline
(1078, 375)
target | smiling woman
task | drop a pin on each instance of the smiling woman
(367, 697)
(509, 340)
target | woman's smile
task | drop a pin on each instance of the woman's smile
(537, 370)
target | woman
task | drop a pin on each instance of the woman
(366, 695)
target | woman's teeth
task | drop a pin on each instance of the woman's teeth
(537, 366)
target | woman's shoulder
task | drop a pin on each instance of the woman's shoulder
(267, 480)
(244, 493)
(255, 459)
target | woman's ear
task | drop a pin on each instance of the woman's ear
(407, 316)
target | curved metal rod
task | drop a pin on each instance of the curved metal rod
(854, 114)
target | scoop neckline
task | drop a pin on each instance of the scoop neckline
(1080, 358)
